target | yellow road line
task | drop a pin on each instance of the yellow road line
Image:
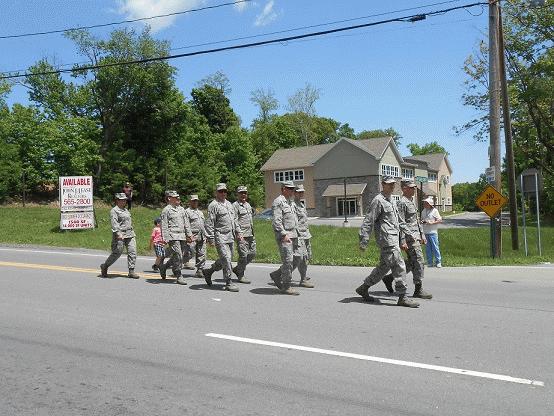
(72, 269)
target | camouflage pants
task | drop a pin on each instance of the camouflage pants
(247, 252)
(225, 253)
(175, 251)
(391, 260)
(196, 249)
(117, 251)
(415, 262)
(287, 250)
(302, 256)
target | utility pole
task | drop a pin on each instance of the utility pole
(494, 120)
(508, 136)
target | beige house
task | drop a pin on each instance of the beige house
(439, 178)
(342, 177)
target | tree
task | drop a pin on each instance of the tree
(465, 194)
(425, 149)
(302, 104)
(217, 80)
(266, 102)
(373, 134)
(346, 131)
(529, 35)
(212, 103)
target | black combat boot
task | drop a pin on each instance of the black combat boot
(420, 293)
(276, 277)
(103, 270)
(404, 301)
(208, 275)
(363, 292)
(163, 270)
(387, 280)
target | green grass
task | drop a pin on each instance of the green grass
(38, 225)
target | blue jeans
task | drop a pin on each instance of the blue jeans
(432, 249)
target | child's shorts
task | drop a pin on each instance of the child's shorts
(160, 250)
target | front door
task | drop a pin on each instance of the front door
(349, 206)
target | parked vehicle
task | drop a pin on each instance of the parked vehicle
(266, 215)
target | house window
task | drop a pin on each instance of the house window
(407, 173)
(432, 177)
(390, 170)
(288, 175)
(448, 201)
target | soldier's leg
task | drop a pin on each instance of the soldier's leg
(242, 248)
(380, 271)
(188, 252)
(224, 252)
(251, 250)
(176, 259)
(117, 250)
(395, 261)
(131, 244)
(200, 254)
(415, 262)
(287, 256)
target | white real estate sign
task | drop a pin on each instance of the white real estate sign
(76, 202)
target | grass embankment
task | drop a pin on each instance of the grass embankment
(331, 245)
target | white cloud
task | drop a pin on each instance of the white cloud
(267, 15)
(135, 9)
(240, 6)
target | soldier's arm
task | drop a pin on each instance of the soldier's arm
(369, 223)
(402, 219)
(188, 228)
(278, 220)
(116, 227)
(404, 229)
(165, 226)
(209, 224)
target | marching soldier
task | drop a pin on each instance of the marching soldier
(285, 226)
(247, 246)
(173, 232)
(123, 235)
(303, 254)
(407, 212)
(222, 229)
(196, 235)
(382, 217)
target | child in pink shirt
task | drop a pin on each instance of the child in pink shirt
(158, 243)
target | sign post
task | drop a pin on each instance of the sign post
(76, 203)
(491, 202)
(531, 184)
(421, 180)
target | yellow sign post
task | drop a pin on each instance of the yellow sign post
(491, 201)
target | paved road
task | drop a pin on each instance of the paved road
(74, 344)
(462, 220)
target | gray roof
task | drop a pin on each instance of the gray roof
(433, 160)
(299, 157)
(351, 189)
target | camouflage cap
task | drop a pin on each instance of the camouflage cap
(242, 188)
(299, 188)
(221, 187)
(193, 197)
(388, 179)
(408, 183)
(288, 184)
(120, 195)
(173, 194)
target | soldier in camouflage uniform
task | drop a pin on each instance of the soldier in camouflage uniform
(382, 217)
(303, 254)
(285, 226)
(222, 229)
(196, 235)
(173, 232)
(123, 235)
(407, 212)
(246, 247)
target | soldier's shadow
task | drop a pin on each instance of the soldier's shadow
(162, 281)
(205, 286)
(377, 301)
(265, 291)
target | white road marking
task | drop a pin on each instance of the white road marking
(443, 369)
(216, 299)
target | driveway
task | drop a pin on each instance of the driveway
(461, 220)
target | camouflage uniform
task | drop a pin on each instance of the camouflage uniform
(285, 223)
(122, 226)
(173, 232)
(246, 247)
(382, 217)
(304, 252)
(222, 229)
(407, 212)
(194, 229)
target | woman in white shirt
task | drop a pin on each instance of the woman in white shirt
(430, 218)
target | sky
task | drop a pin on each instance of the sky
(403, 75)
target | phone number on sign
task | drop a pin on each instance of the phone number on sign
(82, 201)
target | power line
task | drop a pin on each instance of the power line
(249, 45)
(122, 22)
(295, 29)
